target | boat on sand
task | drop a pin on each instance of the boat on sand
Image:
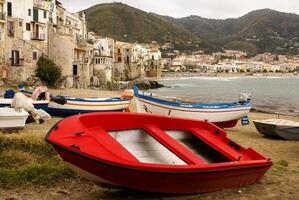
(224, 115)
(278, 128)
(65, 106)
(11, 119)
(155, 153)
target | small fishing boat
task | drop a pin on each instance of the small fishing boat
(37, 104)
(155, 153)
(65, 106)
(9, 118)
(278, 128)
(224, 115)
(75, 106)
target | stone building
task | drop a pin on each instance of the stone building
(69, 47)
(3, 64)
(103, 58)
(25, 36)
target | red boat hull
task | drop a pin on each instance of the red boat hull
(228, 124)
(147, 181)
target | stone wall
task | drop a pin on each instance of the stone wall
(26, 48)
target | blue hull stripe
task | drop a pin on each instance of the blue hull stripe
(192, 105)
(67, 112)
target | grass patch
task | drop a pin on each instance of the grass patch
(29, 160)
(279, 168)
(35, 174)
(14, 159)
(26, 144)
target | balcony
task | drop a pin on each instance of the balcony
(38, 36)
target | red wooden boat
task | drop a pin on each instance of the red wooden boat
(155, 153)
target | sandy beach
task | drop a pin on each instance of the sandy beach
(281, 182)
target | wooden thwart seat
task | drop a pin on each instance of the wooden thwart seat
(178, 149)
(209, 138)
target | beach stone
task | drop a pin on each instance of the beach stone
(145, 84)
(31, 81)
(67, 83)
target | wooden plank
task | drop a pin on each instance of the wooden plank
(222, 147)
(174, 146)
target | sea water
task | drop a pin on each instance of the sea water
(270, 94)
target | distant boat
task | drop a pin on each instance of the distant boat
(73, 106)
(155, 153)
(224, 115)
(9, 118)
(278, 128)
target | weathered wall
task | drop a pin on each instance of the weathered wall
(26, 48)
(61, 50)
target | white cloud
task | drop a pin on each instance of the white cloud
(204, 8)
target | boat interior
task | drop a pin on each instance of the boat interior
(148, 150)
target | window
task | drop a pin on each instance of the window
(75, 70)
(15, 57)
(119, 59)
(34, 55)
(9, 9)
(29, 12)
(10, 29)
(118, 50)
(1, 31)
(35, 15)
(28, 27)
(20, 24)
(45, 14)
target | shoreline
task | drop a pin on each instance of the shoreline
(178, 75)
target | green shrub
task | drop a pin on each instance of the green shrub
(48, 71)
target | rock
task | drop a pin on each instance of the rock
(31, 81)
(145, 84)
(95, 81)
(67, 83)
(64, 192)
(2, 83)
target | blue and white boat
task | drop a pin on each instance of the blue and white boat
(73, 106)
(224, 115)
(86, 105)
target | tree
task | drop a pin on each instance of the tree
(48, 71)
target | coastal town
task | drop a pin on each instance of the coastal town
(34, 28)
(30, 29)
(105, 100)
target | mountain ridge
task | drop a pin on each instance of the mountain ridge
(258, 31)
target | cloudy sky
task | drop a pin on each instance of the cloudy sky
(205, 8)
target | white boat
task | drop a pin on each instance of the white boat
(9, 118)
(224, 115)
(278, 128)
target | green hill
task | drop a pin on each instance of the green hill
(258, 31)
(126, 23)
